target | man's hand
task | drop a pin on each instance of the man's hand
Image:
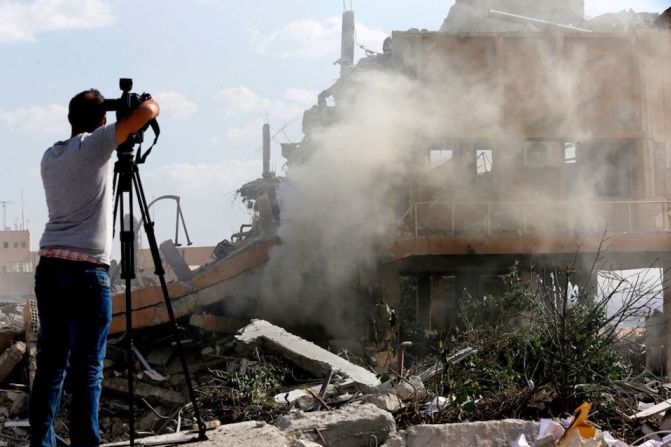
(145, 112)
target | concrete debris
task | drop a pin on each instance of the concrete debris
(145, 391)
(411, 388)
(302, 353)
(10, 358)
(481, 434)
(31, 324)
(175, 260)
(243, 434)
(295, 395)
(385, 401)
(350, 426)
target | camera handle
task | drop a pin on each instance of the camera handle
(126, 180)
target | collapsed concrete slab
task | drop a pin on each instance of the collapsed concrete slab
(243, 434)
(307, 355)
(143, 390)
(482, 434)
(350, 426)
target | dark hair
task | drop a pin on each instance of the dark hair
(86, 110)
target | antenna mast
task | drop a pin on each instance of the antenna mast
(4, 204)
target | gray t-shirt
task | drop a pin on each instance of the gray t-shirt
(77, 178)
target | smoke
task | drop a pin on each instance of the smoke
(460, 129)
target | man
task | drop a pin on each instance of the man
(71, 281)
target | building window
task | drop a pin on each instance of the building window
(5, 244)
(16, 245)
(440, 157)
(570, 155)
(23, 244)
(483, 161)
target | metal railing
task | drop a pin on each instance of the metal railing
(559, 217)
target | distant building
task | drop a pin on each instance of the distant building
(16, 265)
(15, 253)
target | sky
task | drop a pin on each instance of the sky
(219, 69)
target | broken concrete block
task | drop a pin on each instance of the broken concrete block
(397, 440)
(19, 406)
(302, 353)
(10, 358)
(482, 434)
(411, 388)
(175, 260)
(243, 434)
(385, 401)
(143, 390)
(349, 426)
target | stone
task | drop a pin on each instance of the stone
(10, 358)
(243, 434)
(349, 426)
(384, 401)
(481, 434)
(19, 406)
(303, 443)
(397, 440)
(302, 353)
(142, 390)
(411, 388)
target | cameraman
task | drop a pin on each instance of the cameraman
(71, 281)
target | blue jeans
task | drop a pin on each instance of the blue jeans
(75, 309)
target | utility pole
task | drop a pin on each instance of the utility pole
(4, 204)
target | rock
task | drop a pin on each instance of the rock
(384, 401)
(146, 422)
(349, 426)
(300, 352)
(411, 388)
(397, 440)
(142, 390)
(19, 406)
(481, 434)
(303, 443)
(243, 434)
(10, 358)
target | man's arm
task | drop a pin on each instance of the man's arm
(145, 112)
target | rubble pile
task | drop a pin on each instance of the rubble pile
(264, 385)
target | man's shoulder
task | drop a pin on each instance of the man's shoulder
(100, 142)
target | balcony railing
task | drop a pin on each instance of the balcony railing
(522, 218)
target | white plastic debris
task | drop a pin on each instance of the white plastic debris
(521, 442)
(550, 427)
(437, 404)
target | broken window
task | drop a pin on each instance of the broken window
(483, 161)
(606, 169)
(440, 157)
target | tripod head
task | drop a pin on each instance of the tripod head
(124, 106)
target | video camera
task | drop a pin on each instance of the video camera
(124, 106)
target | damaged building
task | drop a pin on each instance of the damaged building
(519, 133)
(569, 159)
(570, 145)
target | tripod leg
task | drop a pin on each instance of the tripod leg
(128, 273)
(160, 272)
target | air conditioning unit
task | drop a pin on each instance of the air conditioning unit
(543, 154)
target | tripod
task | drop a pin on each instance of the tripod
(127, 179)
